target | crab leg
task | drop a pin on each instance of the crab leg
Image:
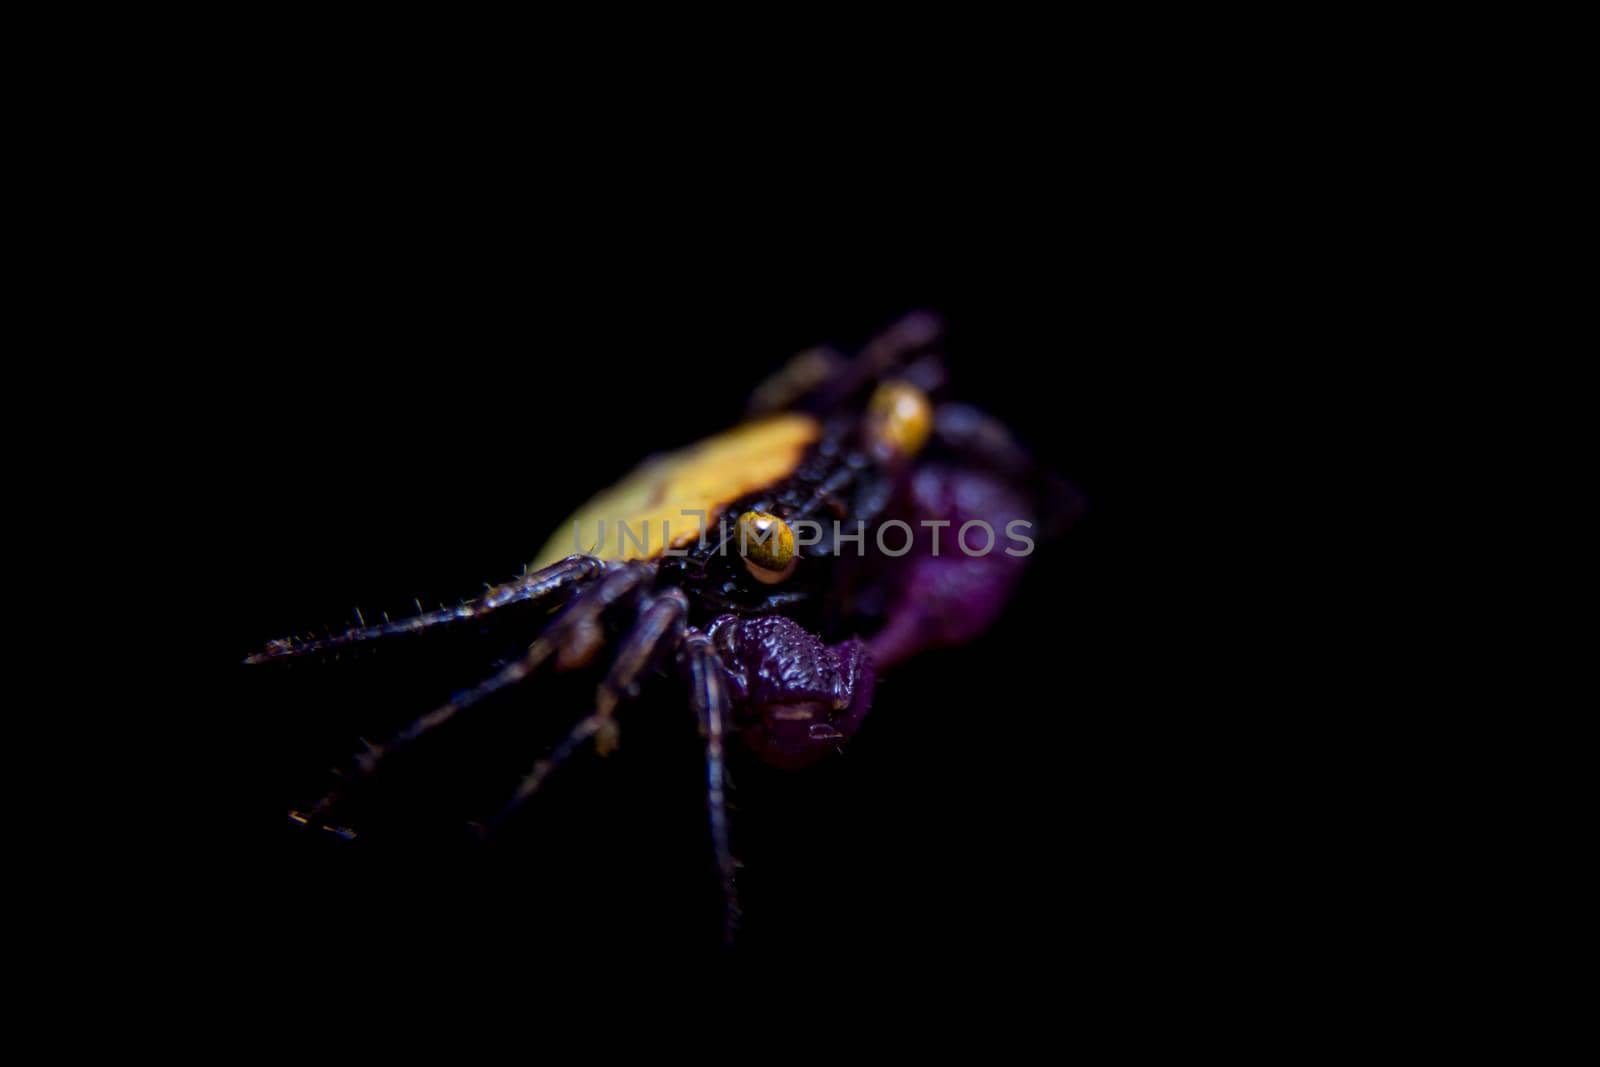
(541, 585)
(659, 627)
(573, 638)
(708, 695)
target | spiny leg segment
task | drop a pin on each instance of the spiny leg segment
(573, 638)
(708, 695)
(548, 583)
(660, 626)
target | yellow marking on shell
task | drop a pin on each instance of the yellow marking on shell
(706, 476)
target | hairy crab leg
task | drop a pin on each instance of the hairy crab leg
(660, 625)
(544, 584)
(659, 628)
(708, 695)
(573, 638)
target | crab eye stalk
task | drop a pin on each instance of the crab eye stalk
(899, 420)
(767, 545)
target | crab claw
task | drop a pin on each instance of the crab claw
(796, 699)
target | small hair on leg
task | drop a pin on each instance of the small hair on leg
(582, 613)
(543, 585)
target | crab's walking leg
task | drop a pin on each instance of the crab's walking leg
(573, 638)
(659, 627)
(547, 583)
(708, 694)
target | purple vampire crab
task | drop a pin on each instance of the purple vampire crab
(851, 522)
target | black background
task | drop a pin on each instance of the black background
(421, 404)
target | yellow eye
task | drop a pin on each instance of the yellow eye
(767, 545)
(899, 420)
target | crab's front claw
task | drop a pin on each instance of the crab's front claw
(796, 699)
